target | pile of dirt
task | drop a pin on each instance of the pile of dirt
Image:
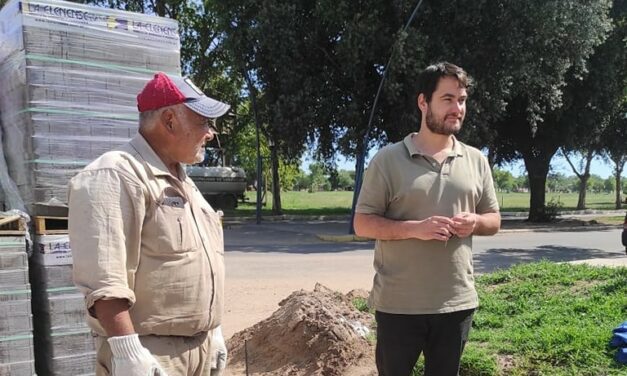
(316, 332)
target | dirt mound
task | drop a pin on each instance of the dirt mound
(316, 332)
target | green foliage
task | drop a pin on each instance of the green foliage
(552, 319)
(477, 361)
(545, 319)
(317, 178)
(503, 180)
(547, 73)
(361, 305)
(552, 210)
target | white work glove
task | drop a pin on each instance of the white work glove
(130, 358)
(217, 351)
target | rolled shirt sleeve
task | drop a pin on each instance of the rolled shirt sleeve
(488, 203)
(106, 214)
(375, 192)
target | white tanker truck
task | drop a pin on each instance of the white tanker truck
(222, 186)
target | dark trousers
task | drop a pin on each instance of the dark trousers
(402, 338)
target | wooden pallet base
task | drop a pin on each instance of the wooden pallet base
(50, 225)
(12, 225)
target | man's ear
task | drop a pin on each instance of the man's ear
(167, 119)
(422, 103)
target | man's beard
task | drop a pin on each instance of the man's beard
(440, 126)
(200, 156)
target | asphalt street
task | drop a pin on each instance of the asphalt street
(500, 251)
(267, 262)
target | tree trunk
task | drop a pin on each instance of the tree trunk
(583, 189)
(160, 8)
(583, 177)
(276, 183)
(619, 164)
(619, 203)
(538, 169)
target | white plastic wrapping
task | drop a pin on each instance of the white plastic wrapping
(69, 75)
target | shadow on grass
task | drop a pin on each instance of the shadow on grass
(493, 259)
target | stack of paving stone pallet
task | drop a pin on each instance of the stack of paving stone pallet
(16, 338)
(64, 345)
(69, 75)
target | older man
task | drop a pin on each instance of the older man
(148, 249)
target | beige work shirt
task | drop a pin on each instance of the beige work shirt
(425, 276)
(138, 233)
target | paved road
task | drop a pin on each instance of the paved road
(502, 250)
(266, 262)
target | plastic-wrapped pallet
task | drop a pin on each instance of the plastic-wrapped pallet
(63, 343)
(69, 75)
(16, 338)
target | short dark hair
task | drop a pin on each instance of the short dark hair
(429, 78)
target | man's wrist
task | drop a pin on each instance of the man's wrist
(127, 346)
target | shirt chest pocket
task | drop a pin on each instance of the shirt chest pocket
(174, 227)
(214, 230)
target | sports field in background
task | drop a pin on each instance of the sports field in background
(339, 202)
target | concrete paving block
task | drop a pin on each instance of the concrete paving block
(15, 317)
(13, 277)
(16, 348)
(78, 364)
(13, 260)
(18, 368)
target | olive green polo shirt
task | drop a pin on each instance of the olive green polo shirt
(415, 276)
(139, 233)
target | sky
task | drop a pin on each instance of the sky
(558, 164)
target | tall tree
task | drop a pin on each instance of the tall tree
(616, 147)
(615, 135)
(592, 99)
(542, 45)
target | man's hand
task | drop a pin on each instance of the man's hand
(218, 353)
(130, 358)
(435, 228)
(464, 224)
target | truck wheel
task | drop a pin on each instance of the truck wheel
(229, 202)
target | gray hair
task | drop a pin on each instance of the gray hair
(148, 119)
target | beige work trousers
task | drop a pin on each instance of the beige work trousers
(178, 356)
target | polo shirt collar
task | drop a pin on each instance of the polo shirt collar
(155, 164)
(413, 150)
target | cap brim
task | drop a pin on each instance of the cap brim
(208, 107)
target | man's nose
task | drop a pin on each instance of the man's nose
(458, 107)
(210, 134)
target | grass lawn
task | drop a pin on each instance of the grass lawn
(546, 319)
(326, 203)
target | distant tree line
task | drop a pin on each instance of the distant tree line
(321, 178)
(504, 181)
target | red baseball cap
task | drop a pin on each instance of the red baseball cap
(166, 90)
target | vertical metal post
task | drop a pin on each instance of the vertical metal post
(361, 157)
(253, 98)
(246, 355)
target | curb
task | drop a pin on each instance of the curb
(342, 238)
(354, 238)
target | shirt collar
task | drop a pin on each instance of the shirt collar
(155, 164)
(413, 150)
